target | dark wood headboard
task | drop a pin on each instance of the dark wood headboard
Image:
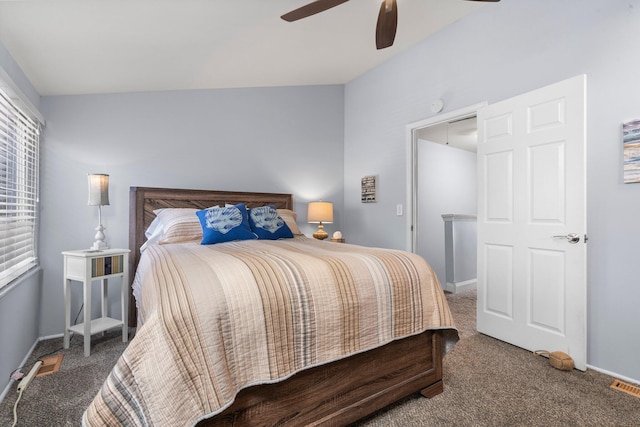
(144, 200)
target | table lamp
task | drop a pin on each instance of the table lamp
(99, 196)
(320, 212)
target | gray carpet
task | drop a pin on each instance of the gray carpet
(487, 383)
(59, 399)
(492, 383)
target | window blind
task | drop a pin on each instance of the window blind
(19, 156)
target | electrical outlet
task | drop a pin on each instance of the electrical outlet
(399, 209)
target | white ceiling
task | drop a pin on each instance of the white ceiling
(108, 46)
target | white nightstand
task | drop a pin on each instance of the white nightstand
(86, 266)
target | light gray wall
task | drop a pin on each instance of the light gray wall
(446, 184)
(19, 302)
(19, 328)
(287, 140)
(502, 50)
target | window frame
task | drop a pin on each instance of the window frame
(19, 183)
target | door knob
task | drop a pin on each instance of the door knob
(571, 237)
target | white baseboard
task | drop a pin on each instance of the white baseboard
(460, 286)
(50, 337)
(615, 375)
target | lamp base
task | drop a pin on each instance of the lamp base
(99, 243)
(99, 246)
(320, 234)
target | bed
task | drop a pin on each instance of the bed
(199, 358)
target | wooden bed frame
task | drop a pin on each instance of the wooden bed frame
(335, 394)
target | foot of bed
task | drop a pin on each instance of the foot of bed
(433, 390)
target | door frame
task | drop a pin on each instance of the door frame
(412, 167)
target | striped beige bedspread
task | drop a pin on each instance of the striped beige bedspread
(219, 318)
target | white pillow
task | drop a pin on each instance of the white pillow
(153, 233)
(179, 225)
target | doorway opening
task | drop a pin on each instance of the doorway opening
(443, 195)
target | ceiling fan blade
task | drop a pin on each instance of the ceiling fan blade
(387, 24)
(311, 9)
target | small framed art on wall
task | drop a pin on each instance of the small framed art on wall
(631, 150)
(369, 189)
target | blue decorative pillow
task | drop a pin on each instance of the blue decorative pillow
(225, 224)
(267, 224)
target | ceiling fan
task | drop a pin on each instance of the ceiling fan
(387, 17)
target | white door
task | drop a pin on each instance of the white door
(532, 220)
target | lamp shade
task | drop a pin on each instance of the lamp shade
(320, 212)
(98, 189)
